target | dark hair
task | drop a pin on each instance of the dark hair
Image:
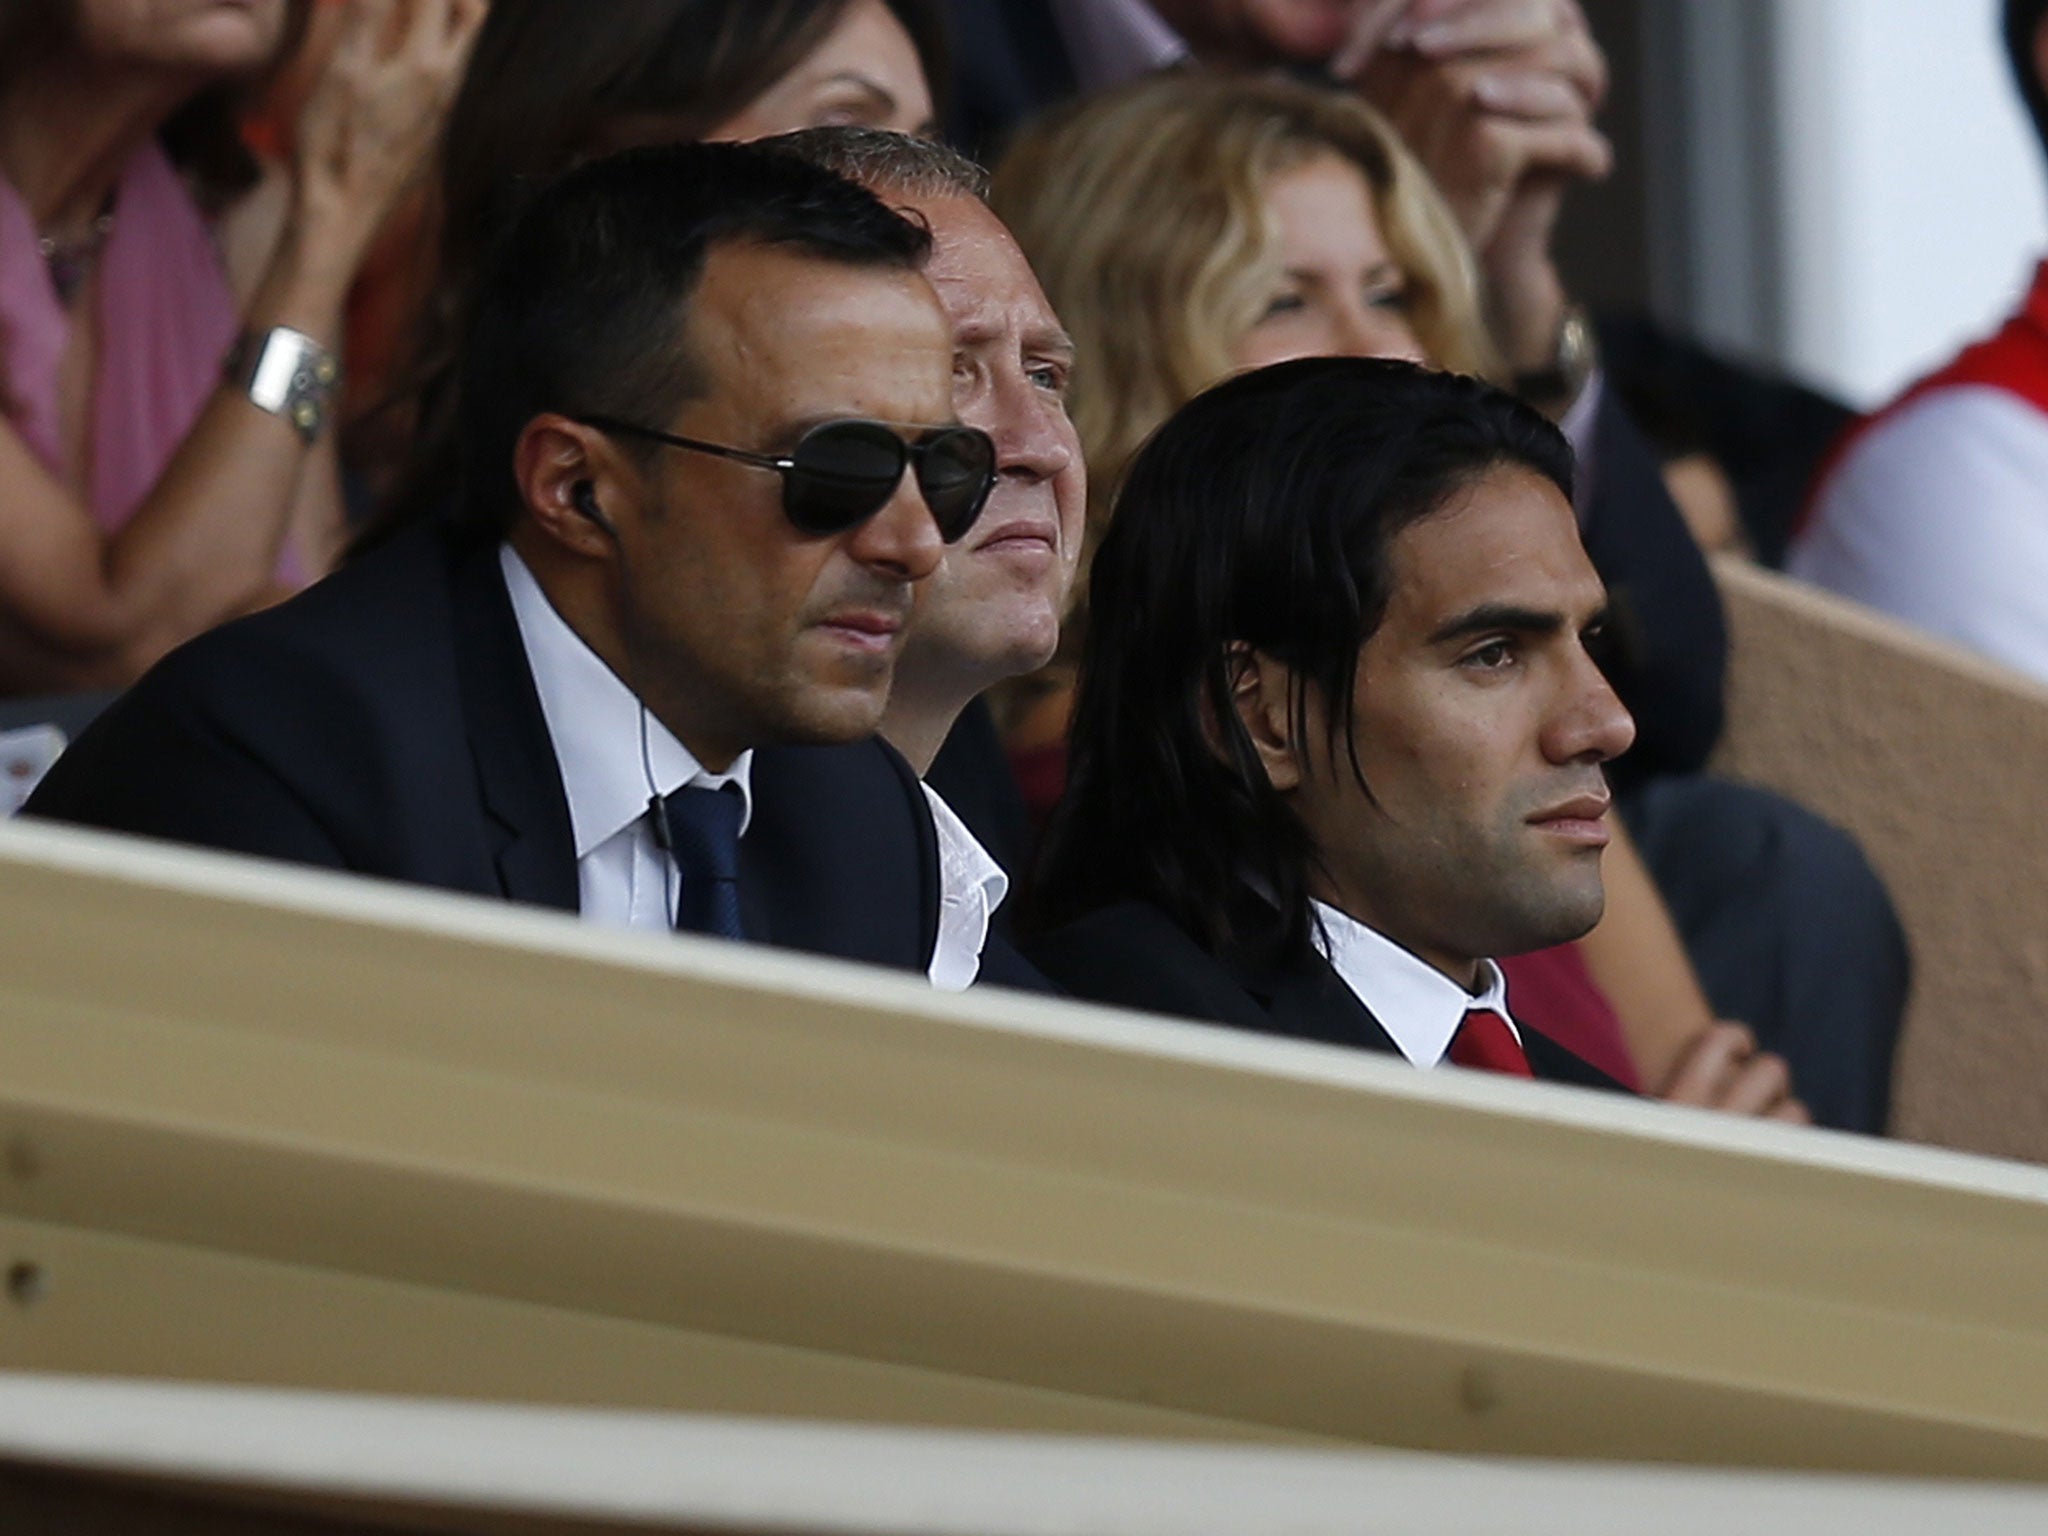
(1260, 514)
(545, 82)
(2022, 22)
(203, 136)
(583, 307)
(548, 77)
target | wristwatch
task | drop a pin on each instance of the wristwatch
(286, 373)
(1577, 354)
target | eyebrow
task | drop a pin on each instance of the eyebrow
(1051, 341)
(1375, 273)
(1506, 616)
(884, 97)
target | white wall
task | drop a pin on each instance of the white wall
(1911, 194)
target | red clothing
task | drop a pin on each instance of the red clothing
(1553, 993)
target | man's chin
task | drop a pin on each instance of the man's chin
(826, 715)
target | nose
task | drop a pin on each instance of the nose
(901, 542)
(1034, 440)
(1590, 723)
(1366, 330)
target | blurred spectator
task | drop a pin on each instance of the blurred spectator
(1934, 510)
(1189, 224)
(556, 82)
(147, 496)
(1740, 444)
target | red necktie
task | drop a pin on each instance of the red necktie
(1485, 1041)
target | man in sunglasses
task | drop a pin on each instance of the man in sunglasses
(709, 454)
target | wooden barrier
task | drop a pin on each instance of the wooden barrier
(1934, 758)
(83, 1458)
(268, 1126)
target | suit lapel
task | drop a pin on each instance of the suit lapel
(1307, 1000)
(1554, 1064)
(517, 776)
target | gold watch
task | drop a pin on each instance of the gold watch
(1573, 362)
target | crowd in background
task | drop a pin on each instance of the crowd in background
(1181, 193)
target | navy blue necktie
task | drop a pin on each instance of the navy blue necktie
(704, 837)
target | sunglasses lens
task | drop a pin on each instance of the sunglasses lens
(843, 472)
(956, 469)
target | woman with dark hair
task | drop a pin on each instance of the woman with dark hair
(169, 318)
(1340, 732)
(556, 82)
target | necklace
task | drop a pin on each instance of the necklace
(71, 261)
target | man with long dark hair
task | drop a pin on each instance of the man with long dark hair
(1342, 724)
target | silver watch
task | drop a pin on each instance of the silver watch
(288, 374)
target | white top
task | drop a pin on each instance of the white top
(1111, 41)
(1418, 1005)
(971, 886)
(623, 877)
(1938, 514)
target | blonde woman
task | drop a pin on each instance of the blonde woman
(1193, 225)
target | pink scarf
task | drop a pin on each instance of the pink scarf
(167, 318)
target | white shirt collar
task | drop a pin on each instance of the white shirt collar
(596, 724)
(1417, 1004)
(971, 885)
(1111, 41)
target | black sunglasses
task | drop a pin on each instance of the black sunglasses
(840, 473)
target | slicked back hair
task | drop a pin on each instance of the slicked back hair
(2021, 23)
(1260, 515)
(897, 164)
(584, 306)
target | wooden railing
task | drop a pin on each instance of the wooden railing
(267, 1126)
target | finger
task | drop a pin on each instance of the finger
(1370, 24)
(1791, 1112)
(1487, 26)
(426, 23)
(1763, 1083)
(465, 20)
(1705, 1070)
(367, 24)
(1576, 152)
(1534, 95)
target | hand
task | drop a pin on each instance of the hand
(1441, 30)
(372, 118)
(1496, 99)
(1723, 1069)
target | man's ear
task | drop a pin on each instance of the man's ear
(1262, 690)
(572, 481)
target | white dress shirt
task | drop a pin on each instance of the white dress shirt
(1418, 1005)
(598, 727)
(614, 756)
(971, 885)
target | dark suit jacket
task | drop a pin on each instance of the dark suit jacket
(385, 722)
(1133, 955)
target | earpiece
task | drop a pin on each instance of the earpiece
(583, 497)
